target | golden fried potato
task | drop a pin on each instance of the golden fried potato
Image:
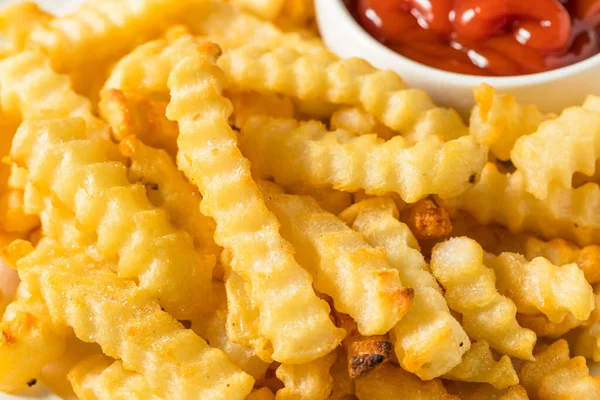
(308, 153)
(249, 104)
(428, 341)
(391, 382)
(356, 120)
(484, 391)
(427, 220)
(559, 148)
(497, 120)
(310, 381)
(554, 375)
(283, 295)
(487, 315)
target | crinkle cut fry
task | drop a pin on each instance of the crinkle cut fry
(538, 286)
(484, 391)
(278, 286)
(458, 265)
(127, 324)
(342, 264)
(310, 381)
(167, 187)
(498, 120)
(98, 377)
(321, 76)
(28, 341)
(392, 382)
(558, 149)
(479, 365)
(100, 29)
(554, 375)
(81, 174)
(428, 341)
(568, 213)
(350, 162)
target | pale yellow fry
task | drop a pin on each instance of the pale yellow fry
(16, 21)
(554, 375)
(391, 382)
(310, 381)
(484, 391)
(428, 341)
(538, 286)
(167, 187)
(585, 341)
(248, 104)
(292, 317)
(100, 29)
(28, 341)
(308, 153)
(559, 148)
(98, 377)
(543, 327)
(132, 114)
(356, 120)
(497, 239)
(342, 264)
(487, 315)
(216, 18)
(82, 175)
(321, 76)
(266, 9)
(13, 216)
(572, 214)
(498, 120)
(263, 393)
(243, 319)
(480, 365)
(127, 323)
(146, 69)
(331, 200)
(213, 329)
(343, 385)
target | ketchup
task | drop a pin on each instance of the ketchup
(485, 37)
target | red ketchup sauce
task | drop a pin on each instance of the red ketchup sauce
(485, 37)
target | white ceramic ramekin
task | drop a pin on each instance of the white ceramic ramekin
(552, 91)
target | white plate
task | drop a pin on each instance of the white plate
(39, 392)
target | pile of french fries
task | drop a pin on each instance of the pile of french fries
(200, 201)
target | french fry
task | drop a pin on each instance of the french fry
(543, 327)
(442, 122)
(248, 104)
(242, 323)
(498, 120)
(479, 365)
(97, 30)
(320, 76)
(356, 120)
(566, 213)
(538, 286)
(427, 220)
(310, 381)
(98, 377)
(265, 9)
(391, 382)
(331, 200)
(129, 228)
(483, 391)
(28, 341)
(233, 28)
(279, 288)
(213, 329)
(342, 264)
(585, 341)
(167, 187)
(13, 218)
(343, 385)
(559, 148)
(131, 114)
(487, 315)
(554, 375)
(263, 393)
(28, 14)
(428, 341)
(125, 322)
(349, 162)
(364, 353)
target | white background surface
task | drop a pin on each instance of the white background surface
(61, 7)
